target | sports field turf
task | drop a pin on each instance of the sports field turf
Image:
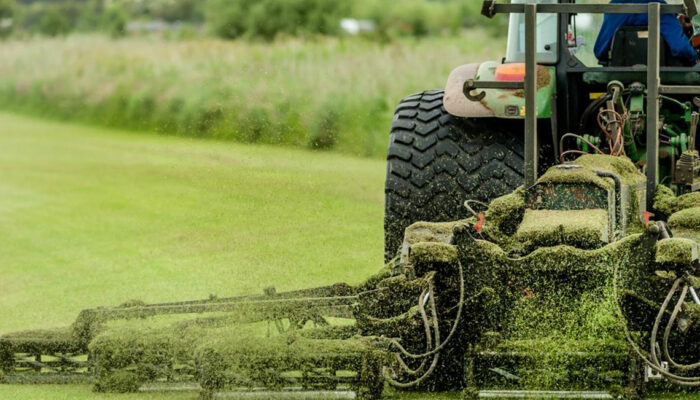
(94, 217)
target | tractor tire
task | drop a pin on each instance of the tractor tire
(436, 161)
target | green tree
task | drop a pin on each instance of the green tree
(7, 17)
(54, 23)
(228, 18)
(266, 19)
(90, 16)
(114, 22)
(180, 11)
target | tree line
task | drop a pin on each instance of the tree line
(249, 19)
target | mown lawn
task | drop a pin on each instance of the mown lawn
(93, 217)
(96, 217)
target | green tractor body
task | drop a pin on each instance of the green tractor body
(542, 238)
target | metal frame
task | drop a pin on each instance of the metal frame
(653, 83)
(563, 8)
(531, 148)
(37, 361)
(653, 69)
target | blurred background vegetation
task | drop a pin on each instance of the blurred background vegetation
(232, 19)
(322, 74)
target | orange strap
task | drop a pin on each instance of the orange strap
(480, 225)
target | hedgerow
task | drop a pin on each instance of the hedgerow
(327, 94)
(266, 19)
(253, 19)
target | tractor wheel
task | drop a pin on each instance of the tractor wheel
(436, 161)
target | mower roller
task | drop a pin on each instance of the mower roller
(542, 229)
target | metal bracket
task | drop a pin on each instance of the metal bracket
(471, 85)
(652, 375)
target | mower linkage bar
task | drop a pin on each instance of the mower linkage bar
(558, 395)
(491, 8)
(335, 305)
(471, 85)
(336, 290)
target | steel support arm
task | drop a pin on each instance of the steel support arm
(653, 83)
(531, 147)
(490, 9)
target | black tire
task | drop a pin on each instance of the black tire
(436, 161)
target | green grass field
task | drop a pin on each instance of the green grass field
(95, 217)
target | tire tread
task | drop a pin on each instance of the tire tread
(436, 161)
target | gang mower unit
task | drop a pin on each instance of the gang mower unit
(542, 228)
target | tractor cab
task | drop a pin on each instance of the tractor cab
(625, 36)
(547, 34)
(629, 48)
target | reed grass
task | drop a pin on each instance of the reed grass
(327, 93)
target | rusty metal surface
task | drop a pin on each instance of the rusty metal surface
(571, 196)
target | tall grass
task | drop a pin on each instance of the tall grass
(328, 93)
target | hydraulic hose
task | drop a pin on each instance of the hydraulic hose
(680, 380)
(667, 334)
(454, 325)
(654, 363)
(585, 116)
(428, 337)
(436, 357)
(439, 346)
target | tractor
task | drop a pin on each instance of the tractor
(447, 146)
(542, 230)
